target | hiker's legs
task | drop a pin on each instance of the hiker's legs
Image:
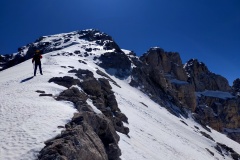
(40, 68)
(35, 69)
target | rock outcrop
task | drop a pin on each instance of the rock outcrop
(224, 149)
(91, 134)
(218, 113)
(103, 98)
(116, 63)
(203, 79)
(236, 86)
(160, 74)
(87, 136)
(79, 141)
(217, 106)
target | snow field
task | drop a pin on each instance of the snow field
(27, 120)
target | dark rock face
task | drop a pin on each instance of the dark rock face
(65, 81)
(3, 60)
(222, 148)
(168, 62)
(94, 35)
(106, 132)
(203, 79)
(116, 63)
(100, 38)
(102, 97)
(106, 76)
(9, 61)
(233, 135)
(219, 113)
(111, 45)
(236, 85)
(160, 74)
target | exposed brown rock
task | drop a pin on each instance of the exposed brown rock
(168, 62)
(161, 73)
(184, 93)
(203, 79)
(116, 63)
(219, 113)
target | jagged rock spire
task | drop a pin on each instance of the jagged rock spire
(203, 79)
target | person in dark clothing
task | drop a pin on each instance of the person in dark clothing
(37, 59)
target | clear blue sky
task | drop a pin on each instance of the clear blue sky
(208, 30)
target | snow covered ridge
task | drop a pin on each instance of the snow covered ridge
(127, 107)
(89, 39)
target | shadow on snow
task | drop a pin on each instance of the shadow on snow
(27, 79)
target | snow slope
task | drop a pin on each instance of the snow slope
(27, 120)
(158, 135)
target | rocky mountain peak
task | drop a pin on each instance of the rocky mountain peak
(168, 62)
(88, 34)
(90, 39)
(60, 41)
(194, 67)
(160, 74)
(94, 35)
(203, 79)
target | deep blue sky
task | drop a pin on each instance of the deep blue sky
(208, 30)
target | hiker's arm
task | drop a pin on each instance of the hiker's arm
(32, 59)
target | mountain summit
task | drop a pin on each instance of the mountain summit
(98, 101)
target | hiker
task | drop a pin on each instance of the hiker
(37, 59)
